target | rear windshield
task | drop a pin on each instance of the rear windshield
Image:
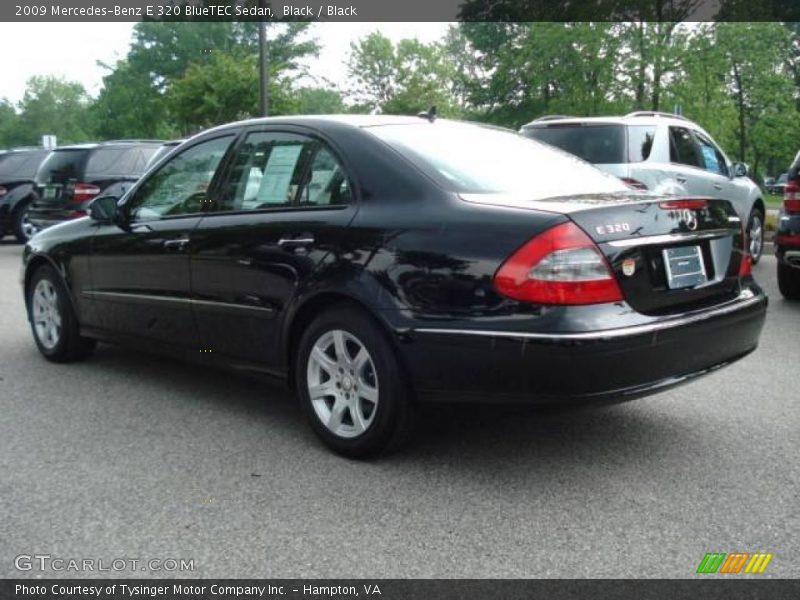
(20, 165)
(473, 159)
(119, 162)
(598, 144)
(62, 166)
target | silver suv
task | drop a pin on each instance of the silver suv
(662, 153)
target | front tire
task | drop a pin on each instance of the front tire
(22, 227)
(755, 235)
(53, 322)
(789, 282)
(351, 384)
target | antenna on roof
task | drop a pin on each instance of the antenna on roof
(430, 114)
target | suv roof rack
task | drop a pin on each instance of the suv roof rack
(132, 141)
(551, 118)
(654, 113)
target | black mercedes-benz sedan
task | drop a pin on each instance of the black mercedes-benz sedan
(376, 263)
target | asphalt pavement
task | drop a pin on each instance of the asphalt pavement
(128, 456)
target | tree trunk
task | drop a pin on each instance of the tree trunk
(737, 77)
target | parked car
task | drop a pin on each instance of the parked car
(72, 176)
(778, 185)
(663, 153)
(385, 261)
(787, 237)
(17, 170)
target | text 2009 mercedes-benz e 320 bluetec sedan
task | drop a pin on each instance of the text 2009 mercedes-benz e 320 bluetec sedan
(379, 262)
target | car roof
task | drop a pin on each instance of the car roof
(109, 144)
(332, 122)
(634, 118)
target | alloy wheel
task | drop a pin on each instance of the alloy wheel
(46, 314)
(756, 235)
(342, 383)
(28, 228)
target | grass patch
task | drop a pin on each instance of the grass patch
(773, 201)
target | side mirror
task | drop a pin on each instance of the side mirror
(739, 169)
(104, 209)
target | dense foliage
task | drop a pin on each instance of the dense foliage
(741, 81)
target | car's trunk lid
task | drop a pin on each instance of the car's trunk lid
(668, 254)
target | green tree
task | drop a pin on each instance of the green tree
(52, 105)
(129, 106)
(319, 101)
(405, 78)
(8, 120)
(225, 89)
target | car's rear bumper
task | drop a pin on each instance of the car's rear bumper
(607, 365)
(787, 240)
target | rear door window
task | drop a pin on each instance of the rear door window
(683, 148)
(267, 171)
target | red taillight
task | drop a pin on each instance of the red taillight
(746, 266)
(634, 183)
(788, 239)
(84, 191)
(791, 202)
(691, 203)
(559, 266)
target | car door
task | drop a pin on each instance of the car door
(283, 205)
(686, 163)
(140, 269)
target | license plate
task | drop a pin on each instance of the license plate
(50, 192)
(685, 267)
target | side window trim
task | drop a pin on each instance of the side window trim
(224, 172)
(213, 187)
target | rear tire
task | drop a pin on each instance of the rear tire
(789, 282)
(53, 322)
(23, 229)
(351, 384)
(755, 235)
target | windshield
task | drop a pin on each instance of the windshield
(474, 159)
(62, 166)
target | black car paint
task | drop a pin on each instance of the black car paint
(19, 189)
(419, 259)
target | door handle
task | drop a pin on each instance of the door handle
(680, 179)
(178, 243)
(717, 187)
(305, 240)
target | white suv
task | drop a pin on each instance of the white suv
(659, 152)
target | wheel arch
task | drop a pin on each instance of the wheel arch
(310, 307)
(33, 264)
(758, 203)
